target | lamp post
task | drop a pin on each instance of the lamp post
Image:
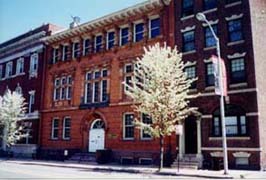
(201, 17)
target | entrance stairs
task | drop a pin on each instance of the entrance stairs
(82, 157)
(188, 161)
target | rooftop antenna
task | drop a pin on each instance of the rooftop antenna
(75, 22)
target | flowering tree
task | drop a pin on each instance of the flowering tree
(159, 89)
(11, 110)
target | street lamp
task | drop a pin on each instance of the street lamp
(201, 17)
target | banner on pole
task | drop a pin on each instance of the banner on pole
(218, 86)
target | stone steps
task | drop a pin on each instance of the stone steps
(189, 161)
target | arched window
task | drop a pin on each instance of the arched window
(98, 124)
(235, 121)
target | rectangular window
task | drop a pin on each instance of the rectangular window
(63, 88)
(124, 36)
(187, 7)
(191, 74)
(188, 41)
(98, 43)
(231, 125)
(34, 63)
(238, 73)
(20, 66)
(243, 125)
(110, 40)
(32, 101)
(88, 95)
(104, 73)
(146, 120)
(138, 32)
(128, 72)
(154, 27)
(66, 128)
(9, 68)
(235, 30)
(210, 4)
(55, 55)
(55, 128)
(216, 127)
(86, 46)
(75, 50)
(65, 51)
(209, 38)
(96, 92)
(104, 91)
(209, 74)
(128, 124)
(57, 89)
(69, 87)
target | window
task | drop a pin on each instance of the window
(69, 88)
(235, 122)
(33, 65)
(187, 7)
(146, 120)
(65, 51)
(238, 73)
(154, 27)
(128, 130)
(18, 89)
(55, 128)
(63, 88)
(9, 67)
(210, 4)
(110, 40)
(124, 36)
(209, 39)
(66, 128)
(191, 74)
(235, 30)
(31, 101)
(1, 72)
(75, 50)
(55, 55)
(57, 89)
(138, 32)
(209, 74)
(96, 86)
(86, 46)
(20, 66)
(128, 73)
(188, 41)
(98, 43)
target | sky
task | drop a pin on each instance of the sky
(20, 16)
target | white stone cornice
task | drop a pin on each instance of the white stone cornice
(188, 28)
(236, 55)
(211, 22)
(241, 154)
(233, 17)
(207, 60)
(190, 63)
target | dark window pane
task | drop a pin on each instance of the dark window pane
(139, 32)
(238, 73)
(210, 4)
(155, 27)
(209, 75)
(188, 41)
(89, 93)
(187, 7)
(104, 90)
(209, 38)
(235, 30)
(96, 91)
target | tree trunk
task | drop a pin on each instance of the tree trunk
(161, 153)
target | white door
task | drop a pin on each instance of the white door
(96, 139)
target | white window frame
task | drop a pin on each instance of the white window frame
(1, 72)
(55, 55)
(120, 34)
(84, 47)
(95, 42)
(141, 132)
(135, 33)
(56, 87)
(34, 60)
(86, 84)
(61, 87)
(31, 99)
(20, 65)
(64, 128)
(53, 128)
(68, 85)
(74, 50)
(107, 38)
(64, 52)
(150, 19)
(124, 126)
(9, 64)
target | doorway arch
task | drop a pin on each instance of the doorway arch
(96, 135)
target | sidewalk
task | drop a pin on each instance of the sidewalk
(233, 174)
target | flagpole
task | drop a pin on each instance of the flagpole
(202, 17)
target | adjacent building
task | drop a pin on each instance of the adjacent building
(21, 69)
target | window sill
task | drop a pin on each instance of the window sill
(146, 139)
(209, 48)
(209, 10)
(66, 139)
(128, 139)
(187, 17)
(235, 43)
(230, 138)
(238, 85)
(233, 4)
(54, 139)
(209, 88)
(194, 90)
(189, 52)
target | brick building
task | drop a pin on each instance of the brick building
(85, 108)
(21, 69)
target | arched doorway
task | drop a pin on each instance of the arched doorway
(96, 135)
